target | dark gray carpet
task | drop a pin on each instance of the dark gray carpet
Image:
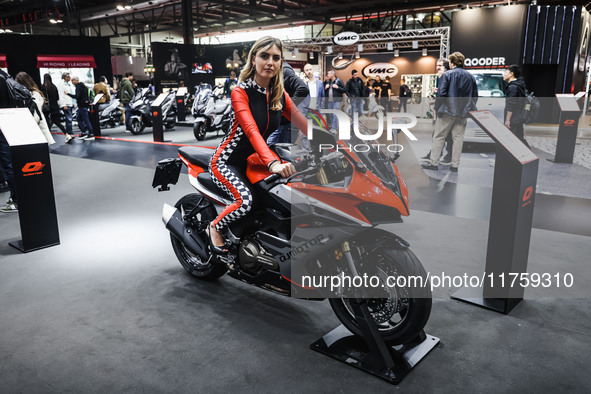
(111, 310)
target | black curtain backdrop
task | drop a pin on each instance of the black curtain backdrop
(184, 61)
(22, 50)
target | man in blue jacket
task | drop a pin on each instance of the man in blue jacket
(456, 97)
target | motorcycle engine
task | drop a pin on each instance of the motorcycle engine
(253, 257)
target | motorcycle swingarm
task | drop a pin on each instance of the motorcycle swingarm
(167, 173)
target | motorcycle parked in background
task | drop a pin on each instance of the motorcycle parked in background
(110, 114)
(211, 110)
(141, 111)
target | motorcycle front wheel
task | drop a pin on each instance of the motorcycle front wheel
(192, 263)
(401, 316)
(199, 131)
(137, 126)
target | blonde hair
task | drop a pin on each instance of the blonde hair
(276, 83)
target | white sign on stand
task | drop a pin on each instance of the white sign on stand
(19, 127)
(159, 100)
(97, 98)
(182, 91)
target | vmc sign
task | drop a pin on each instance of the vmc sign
(382, 70)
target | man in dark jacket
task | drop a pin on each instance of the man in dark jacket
(515, 101)
(81, 97)
(296, 88)
(355, 88)
(457, 95)
(334, 89)
(126, 94)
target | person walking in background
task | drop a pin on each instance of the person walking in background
(515, 102)
(65, 89)
(442, 66)
(126, 94)
(102, 87)
(230, 83)
(334, 89)
(457, 95)
(315, 87)
(355, 88)
(81, 97)
(25, 79)
(404, 94)
(52, 114)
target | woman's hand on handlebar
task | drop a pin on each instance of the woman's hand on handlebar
(284, 169)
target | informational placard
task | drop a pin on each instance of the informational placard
(29, 153)
(499, 132)
(182, 91)
(97, 98)
(580, 94)
(159, 100)
(567, 102)
(19, 127)
(511, 216)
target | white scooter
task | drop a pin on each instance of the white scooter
(211, 110)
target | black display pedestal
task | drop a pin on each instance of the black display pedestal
(568, 127)
(180, 108)
(33, 180)
(512, 208)
(93, 114)
(370, 353)
(157, 125)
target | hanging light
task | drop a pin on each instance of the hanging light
(329, 49)
(390, 46)
(340, 55)
(424, 51)
(356, 55)
(311, 55)
(360, 47)
(415, 45)
(396, 52)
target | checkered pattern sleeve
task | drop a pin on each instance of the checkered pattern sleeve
(294, 115)
(249, 126)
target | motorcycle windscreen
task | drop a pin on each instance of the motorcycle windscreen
(346, 185)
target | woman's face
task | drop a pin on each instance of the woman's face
(267, 62)
(378, 79)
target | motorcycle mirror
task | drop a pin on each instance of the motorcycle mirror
(322, 137)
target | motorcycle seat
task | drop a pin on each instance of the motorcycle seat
(103, 106)
(197, 155)
(205, 179)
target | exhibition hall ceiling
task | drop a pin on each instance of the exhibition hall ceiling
(114, 18)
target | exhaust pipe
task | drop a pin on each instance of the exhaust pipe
(173, 220)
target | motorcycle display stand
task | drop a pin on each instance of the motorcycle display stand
(570, 112)
(94, 115)
(511, 217)
(180, 104)
(33, 180)
(157, 124)
(371, 353)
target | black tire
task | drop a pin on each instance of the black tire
(199, 131)
(413, 312)
(137, 126)
(169, 125)
(193, 264)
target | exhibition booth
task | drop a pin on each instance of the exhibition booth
(130, 294)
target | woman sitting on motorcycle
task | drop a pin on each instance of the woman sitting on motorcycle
(258, 102)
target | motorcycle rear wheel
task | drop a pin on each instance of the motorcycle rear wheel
(399, 319)
(199, 131)
(137, 126)
(193, 264)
